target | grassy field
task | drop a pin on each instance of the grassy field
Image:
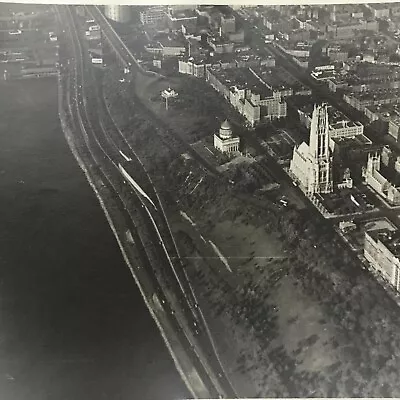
(296, 323)
(245, 246)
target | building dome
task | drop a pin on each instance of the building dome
(226, 125)
(225, 131)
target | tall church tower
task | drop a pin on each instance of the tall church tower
(373, 163)
(320, 172)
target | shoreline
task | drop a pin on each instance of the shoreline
(167, 341)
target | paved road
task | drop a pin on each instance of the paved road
(107, 149)
(130, 61)
(159, 215)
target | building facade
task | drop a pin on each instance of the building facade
(153, 15)
(118, 13)
(379, 10)
(347, 30)
(224, 140)
(346, 129)
(311, 164)
(228, 24)
(247, 94)
(193, 67)
(381, 185)
(382, 251)
(362, 100)
(172, 48)
(394, 128)
(178, 18)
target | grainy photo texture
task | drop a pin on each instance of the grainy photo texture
(199, 201)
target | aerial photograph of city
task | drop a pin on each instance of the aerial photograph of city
(199, 201)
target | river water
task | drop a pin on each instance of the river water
(72, 322)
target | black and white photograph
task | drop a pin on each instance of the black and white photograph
(199, 201)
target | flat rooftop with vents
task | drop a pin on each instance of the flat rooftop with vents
(241, 78)
(389, 238)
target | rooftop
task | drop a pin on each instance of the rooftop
(182, 14)
(366, 69)
(381, 78)
(296, 45)
(323, 74)
(247, 56)
(348, 22)
(241, 78)
(385, 110)
(376, 94)
(223, 58)
(219, 40)
(395, 120)
(302, 59)
(346, 123)
(390, 239)
(168, 41)
(336, 118)
(196, 60)
(334, 48)
(270, 77)
(277, 78)
(353, 141)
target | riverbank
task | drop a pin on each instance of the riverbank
(81, 145)
(73, 323)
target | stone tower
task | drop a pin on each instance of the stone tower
(320, 172)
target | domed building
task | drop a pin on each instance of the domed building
(224, 140)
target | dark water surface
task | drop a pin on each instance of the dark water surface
(72, 322)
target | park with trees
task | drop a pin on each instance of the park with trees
(320, 281)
